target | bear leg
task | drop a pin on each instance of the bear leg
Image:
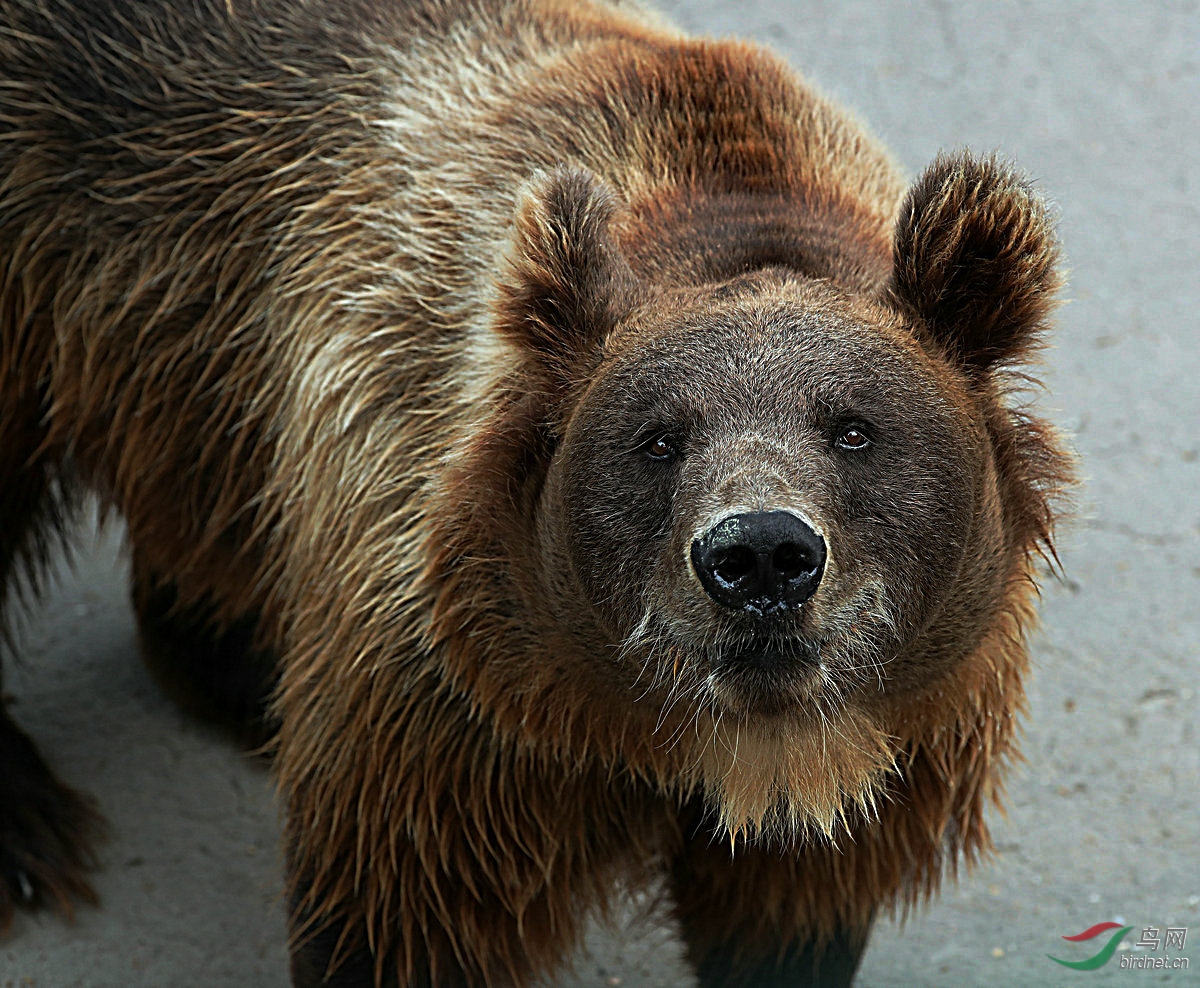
(332, 954)
(48, 832)
(213, 672)
(317, 961)
(803, 965)
(740, 925)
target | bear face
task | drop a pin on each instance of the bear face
(780, 398)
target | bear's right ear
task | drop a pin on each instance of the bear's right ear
(567, 284)
(975, 260)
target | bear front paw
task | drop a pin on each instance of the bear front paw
(48, 833)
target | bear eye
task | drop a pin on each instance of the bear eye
(660, 446)
(853, 438)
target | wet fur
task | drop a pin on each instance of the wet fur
(310, 293)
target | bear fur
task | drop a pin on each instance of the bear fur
(419, 344)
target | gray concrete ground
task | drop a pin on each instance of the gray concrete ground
(1099, 102)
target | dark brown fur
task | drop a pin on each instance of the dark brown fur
(361, 316)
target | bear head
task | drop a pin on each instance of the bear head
(731, 535)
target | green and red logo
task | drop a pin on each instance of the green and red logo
(1104, 954)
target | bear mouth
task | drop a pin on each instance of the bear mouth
(767, 654)
(765, 676)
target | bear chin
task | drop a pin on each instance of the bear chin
(795, 775)
(785, 740)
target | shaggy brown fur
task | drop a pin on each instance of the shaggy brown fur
(416, 343)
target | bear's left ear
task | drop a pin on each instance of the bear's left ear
(567, 284)
(975, 260)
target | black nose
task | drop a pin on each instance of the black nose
(761, 561)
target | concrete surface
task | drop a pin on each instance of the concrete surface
(1099, 102)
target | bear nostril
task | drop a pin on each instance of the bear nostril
(734, 564)
(789, 561)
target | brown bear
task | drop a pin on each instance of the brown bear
(568, 441)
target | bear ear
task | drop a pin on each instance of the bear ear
(567, 284)
(975, 260)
